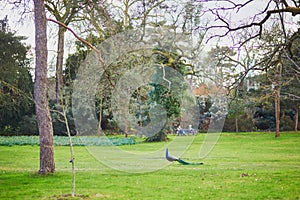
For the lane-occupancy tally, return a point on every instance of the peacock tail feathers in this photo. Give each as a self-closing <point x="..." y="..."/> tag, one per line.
<point x="173" y="158"/>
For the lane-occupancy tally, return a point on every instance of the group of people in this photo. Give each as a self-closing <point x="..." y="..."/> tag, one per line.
<point x="181" y="131"/>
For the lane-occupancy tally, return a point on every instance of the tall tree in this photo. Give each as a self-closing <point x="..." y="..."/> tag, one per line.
<point x="16" y="85"/>
<point x="44" y="120"/>
<point x="276" y="86"/>
<point x="280" y="67"/>
<point x="108" y="19"/>
<point x="236" y="110"/>
<point x="247" y="22"/>
<point x="63" y="11"/>
<point x="280" y="14"/>
<point x="272" y="47"/>
<point x="292" y="62"/>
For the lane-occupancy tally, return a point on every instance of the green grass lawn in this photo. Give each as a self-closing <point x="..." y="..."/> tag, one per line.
<point x="272" y="167"/>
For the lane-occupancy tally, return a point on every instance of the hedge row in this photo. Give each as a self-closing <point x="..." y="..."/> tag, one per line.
<point x="64" y="141"/>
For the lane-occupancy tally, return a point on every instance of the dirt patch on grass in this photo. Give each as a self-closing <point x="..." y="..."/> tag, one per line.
<point x="79" y="196"/>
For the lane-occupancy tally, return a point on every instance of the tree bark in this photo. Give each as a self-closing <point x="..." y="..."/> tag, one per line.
<point x="44" y="121"/>
<point x="100" y="116"/>
<point x="236" y="125"/>
<point x="158" y="137"/>
<point x="297" y="116"/>
<point x="59" y="63"/>
<point x="277" y="112"/>
<point x="277" y="90"/>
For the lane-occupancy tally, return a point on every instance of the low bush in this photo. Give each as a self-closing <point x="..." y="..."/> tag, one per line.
<point x="64" y="141"/>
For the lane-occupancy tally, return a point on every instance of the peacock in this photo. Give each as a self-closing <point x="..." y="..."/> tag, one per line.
<point x="173" y="158"/>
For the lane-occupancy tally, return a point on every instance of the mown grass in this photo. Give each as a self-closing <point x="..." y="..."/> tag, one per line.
<point x="241" y="166"/>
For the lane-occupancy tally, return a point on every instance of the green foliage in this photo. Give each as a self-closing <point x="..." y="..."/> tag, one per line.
<point x="58" y="121"/>
<point x="245" y="123"/>
<point x="74" y="60"/>
<point x="161" y="95"/>
<point x="220" y="64"/>
<point x="167" y="56"/>
<point x="236" y="107"/>
<point x="156" y="93"/>
<point x="16" y="85"/>
<point x="140" y="105"/>
<point x="287" y="122"/>
<point x="28" y="125"/>
<point x="72" y="65"/>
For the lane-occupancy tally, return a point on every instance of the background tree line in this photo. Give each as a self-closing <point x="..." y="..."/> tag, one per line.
<point x="252" y="107"/>
<point x="266" y="44"/>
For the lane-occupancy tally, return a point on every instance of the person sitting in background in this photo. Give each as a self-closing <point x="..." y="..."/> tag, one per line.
<point x="191" y="130"/>
<point x="180" y="131"/>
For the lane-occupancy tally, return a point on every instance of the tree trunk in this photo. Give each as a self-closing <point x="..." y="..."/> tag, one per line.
<point x="236" y="125"/>
<point x="126" y="128"/>
<point x="100" y="116"/>
<point x="277" y="112"/>
<point x="40" y="90"/>
<point x="59" y="63"/>
<point x="158" y="137"/>
<point x="297" y="116"/>
<point x="277" y="90"/>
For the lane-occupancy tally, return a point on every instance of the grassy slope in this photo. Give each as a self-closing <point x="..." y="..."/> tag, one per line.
<point x="273" y="166"/>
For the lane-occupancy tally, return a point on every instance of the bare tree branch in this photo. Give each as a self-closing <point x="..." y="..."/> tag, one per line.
<point x="80" y="39"/>
<point x="224" y="8"/>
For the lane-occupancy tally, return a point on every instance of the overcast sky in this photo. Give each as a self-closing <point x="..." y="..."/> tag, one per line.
<point x="27" y="27"/>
